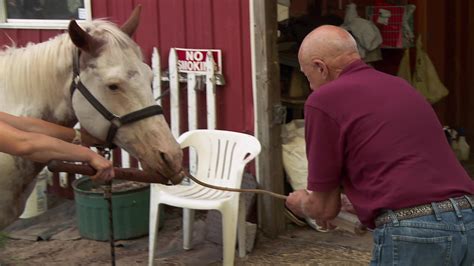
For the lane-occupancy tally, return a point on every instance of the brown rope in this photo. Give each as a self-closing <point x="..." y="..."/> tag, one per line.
<point x="107" y="187"/>
<point x="108" y="197"/>
<point x="251" y="190"/>
<point x="357" y="229"/>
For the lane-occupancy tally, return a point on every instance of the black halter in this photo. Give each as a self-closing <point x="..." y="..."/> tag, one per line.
<point x="115" y="121"/>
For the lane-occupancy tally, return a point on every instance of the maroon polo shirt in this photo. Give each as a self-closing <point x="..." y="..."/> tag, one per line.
<point x="377" y="136"/>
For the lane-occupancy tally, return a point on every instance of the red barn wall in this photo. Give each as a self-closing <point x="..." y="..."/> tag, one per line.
<point x="216" y="24"/>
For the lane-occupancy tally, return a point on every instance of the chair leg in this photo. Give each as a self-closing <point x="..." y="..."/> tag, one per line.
<point x="188" y="221"/>
<point x="229" y="232"/>
<point x="241" y="229"/>
<point x="153" y="230"/>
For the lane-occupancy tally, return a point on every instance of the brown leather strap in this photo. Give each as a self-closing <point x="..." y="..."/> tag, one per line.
<point x="426" y="209"/>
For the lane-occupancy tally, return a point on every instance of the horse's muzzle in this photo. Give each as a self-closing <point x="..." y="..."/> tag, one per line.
<point x="178" y="177"/>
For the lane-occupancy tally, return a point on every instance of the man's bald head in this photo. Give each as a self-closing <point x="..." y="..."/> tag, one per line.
<point x="325" y="52"/>
<point x="329" y="43"/>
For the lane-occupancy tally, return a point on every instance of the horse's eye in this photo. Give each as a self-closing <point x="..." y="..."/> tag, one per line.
<point x="113" y="87"/>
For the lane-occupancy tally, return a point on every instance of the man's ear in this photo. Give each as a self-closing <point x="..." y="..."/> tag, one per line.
<point x="322" y="68"/>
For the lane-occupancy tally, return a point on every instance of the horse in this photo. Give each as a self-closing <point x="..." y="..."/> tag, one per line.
<point x="39" y="80"/>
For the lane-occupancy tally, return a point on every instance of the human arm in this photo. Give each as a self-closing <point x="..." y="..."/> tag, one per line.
<point x="42" y="148"/>
<point x="320" y="206"/>
<point x="324" y="149"/>
<point x="35" y="125"/>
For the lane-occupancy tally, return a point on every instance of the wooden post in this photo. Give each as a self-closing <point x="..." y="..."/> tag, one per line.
<point x="156" y="68"/>
<point x="421" y="19"/>
<point x="211" y="92"/>
<point x="469" y="114"/>
<point x="266" y="92"/>
<point x="192" y="119"/>
<point x="174" y="93"/>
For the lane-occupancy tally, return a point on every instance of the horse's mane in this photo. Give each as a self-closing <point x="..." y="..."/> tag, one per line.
<point x="40" y="73"/>
<point x="116" y="40"/>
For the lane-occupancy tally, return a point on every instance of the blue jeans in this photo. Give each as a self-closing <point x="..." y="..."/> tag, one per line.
<point x="440" y="239"/>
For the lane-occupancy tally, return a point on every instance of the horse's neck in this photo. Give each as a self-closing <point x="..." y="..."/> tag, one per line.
<point x="34" y="81"/>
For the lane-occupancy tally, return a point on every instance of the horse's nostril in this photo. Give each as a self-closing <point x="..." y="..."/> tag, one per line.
<point x="163" y="157"/>
<point x="165" y="161"/>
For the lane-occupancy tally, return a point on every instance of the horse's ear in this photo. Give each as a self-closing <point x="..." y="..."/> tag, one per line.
<point x="131" y="24"/>
<point x="82" y="39"/>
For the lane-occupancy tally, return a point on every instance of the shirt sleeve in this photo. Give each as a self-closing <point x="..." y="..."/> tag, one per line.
<point x="324" y="150"/>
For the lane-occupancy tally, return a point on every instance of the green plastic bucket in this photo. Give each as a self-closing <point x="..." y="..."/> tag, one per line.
<point x="130" y="207"/>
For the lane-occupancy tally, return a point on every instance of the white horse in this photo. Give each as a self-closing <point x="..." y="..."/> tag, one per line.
<point x="35" y="81"/>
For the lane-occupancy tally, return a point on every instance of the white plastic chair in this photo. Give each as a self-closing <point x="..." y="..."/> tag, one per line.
<point x="222" y="156"/>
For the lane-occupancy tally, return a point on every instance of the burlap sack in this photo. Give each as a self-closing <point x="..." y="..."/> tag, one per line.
<point x="425" y="79"/>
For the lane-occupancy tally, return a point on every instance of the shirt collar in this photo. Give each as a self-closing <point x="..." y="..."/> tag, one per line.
<point x="354" y="66"/>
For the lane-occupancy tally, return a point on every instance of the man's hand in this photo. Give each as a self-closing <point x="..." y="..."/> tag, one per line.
<point x="320" y="206"/>
<point x="104" y="168"/>
<point x="346" y="204"/>
<point x="295" y="201"/>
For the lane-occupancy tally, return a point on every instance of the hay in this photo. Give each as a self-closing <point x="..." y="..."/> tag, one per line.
<point x="3" y="239"/>
<point x="306" y="247"/>
<point x="308" y="254"/>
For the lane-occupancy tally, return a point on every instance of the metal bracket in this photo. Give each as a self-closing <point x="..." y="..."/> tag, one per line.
<point x="200" y="83"/>
<point x="279" y="114"/>
<point x="182" y="77"/>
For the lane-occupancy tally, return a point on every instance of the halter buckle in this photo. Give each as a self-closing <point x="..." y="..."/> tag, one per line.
<point x="116" y="122"/>
<point x="76" y="80"/>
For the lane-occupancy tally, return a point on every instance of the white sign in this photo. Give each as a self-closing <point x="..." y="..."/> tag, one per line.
<point x="194" y="60"/>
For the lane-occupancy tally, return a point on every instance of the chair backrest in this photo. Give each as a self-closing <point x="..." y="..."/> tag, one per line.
<point x="221" y="155"/>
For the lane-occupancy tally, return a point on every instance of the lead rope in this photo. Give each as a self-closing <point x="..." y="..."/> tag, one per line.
<point x="286" y="212"/>
<point x="107" y="187"/>
<point x="251" y="190"/>
<point x="108" y="196"/>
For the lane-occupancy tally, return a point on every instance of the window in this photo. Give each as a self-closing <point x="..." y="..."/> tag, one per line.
<point x="42" y="14"/>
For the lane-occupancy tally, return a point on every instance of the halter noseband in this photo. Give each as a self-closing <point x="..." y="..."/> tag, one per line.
<point x="115" y="121"/>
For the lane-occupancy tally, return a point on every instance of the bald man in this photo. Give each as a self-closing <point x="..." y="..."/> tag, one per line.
<point x="377" y="138"/>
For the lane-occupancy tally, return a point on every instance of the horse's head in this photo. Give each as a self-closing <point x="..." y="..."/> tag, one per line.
<point x="111" y="68"/>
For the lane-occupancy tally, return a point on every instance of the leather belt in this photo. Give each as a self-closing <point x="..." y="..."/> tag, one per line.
<point x="427" y="209"/>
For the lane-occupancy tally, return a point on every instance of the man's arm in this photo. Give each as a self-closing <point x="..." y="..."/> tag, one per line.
<point x="42" y="148"/>
<point x="320" y="206"/>
<point x="325" y="153"/>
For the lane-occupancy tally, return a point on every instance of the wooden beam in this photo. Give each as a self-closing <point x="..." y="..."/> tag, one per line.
<point x="266" y="80"/>
<point x="435" y="45"/>
<point x="421" y="17"/>
<point x="469" y="108"/>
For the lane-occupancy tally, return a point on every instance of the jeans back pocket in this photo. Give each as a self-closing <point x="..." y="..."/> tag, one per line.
<point x="410" y="250"/>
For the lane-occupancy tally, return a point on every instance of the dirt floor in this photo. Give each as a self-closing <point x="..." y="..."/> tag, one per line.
<point x="297" y="246"/>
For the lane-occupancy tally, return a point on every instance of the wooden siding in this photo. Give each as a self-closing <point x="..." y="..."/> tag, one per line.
<point x="217" y="24"/>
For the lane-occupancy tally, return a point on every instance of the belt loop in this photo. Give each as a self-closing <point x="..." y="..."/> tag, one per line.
<point x="468" y="198"/>
<point x="456" y="208"/>
<point x="393" y="218"/>
<point x="436" y="211"/>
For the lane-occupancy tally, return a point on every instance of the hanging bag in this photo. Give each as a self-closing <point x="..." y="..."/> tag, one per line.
<point x="425" y="78"/>
<point x="404" y="70"/>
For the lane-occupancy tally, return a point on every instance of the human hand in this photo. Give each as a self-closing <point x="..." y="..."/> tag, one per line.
<point x="324" y="226"/>
<point x="104" y="168"/>
<point x="346" y="204"/>
<point x="295" y="200"/>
